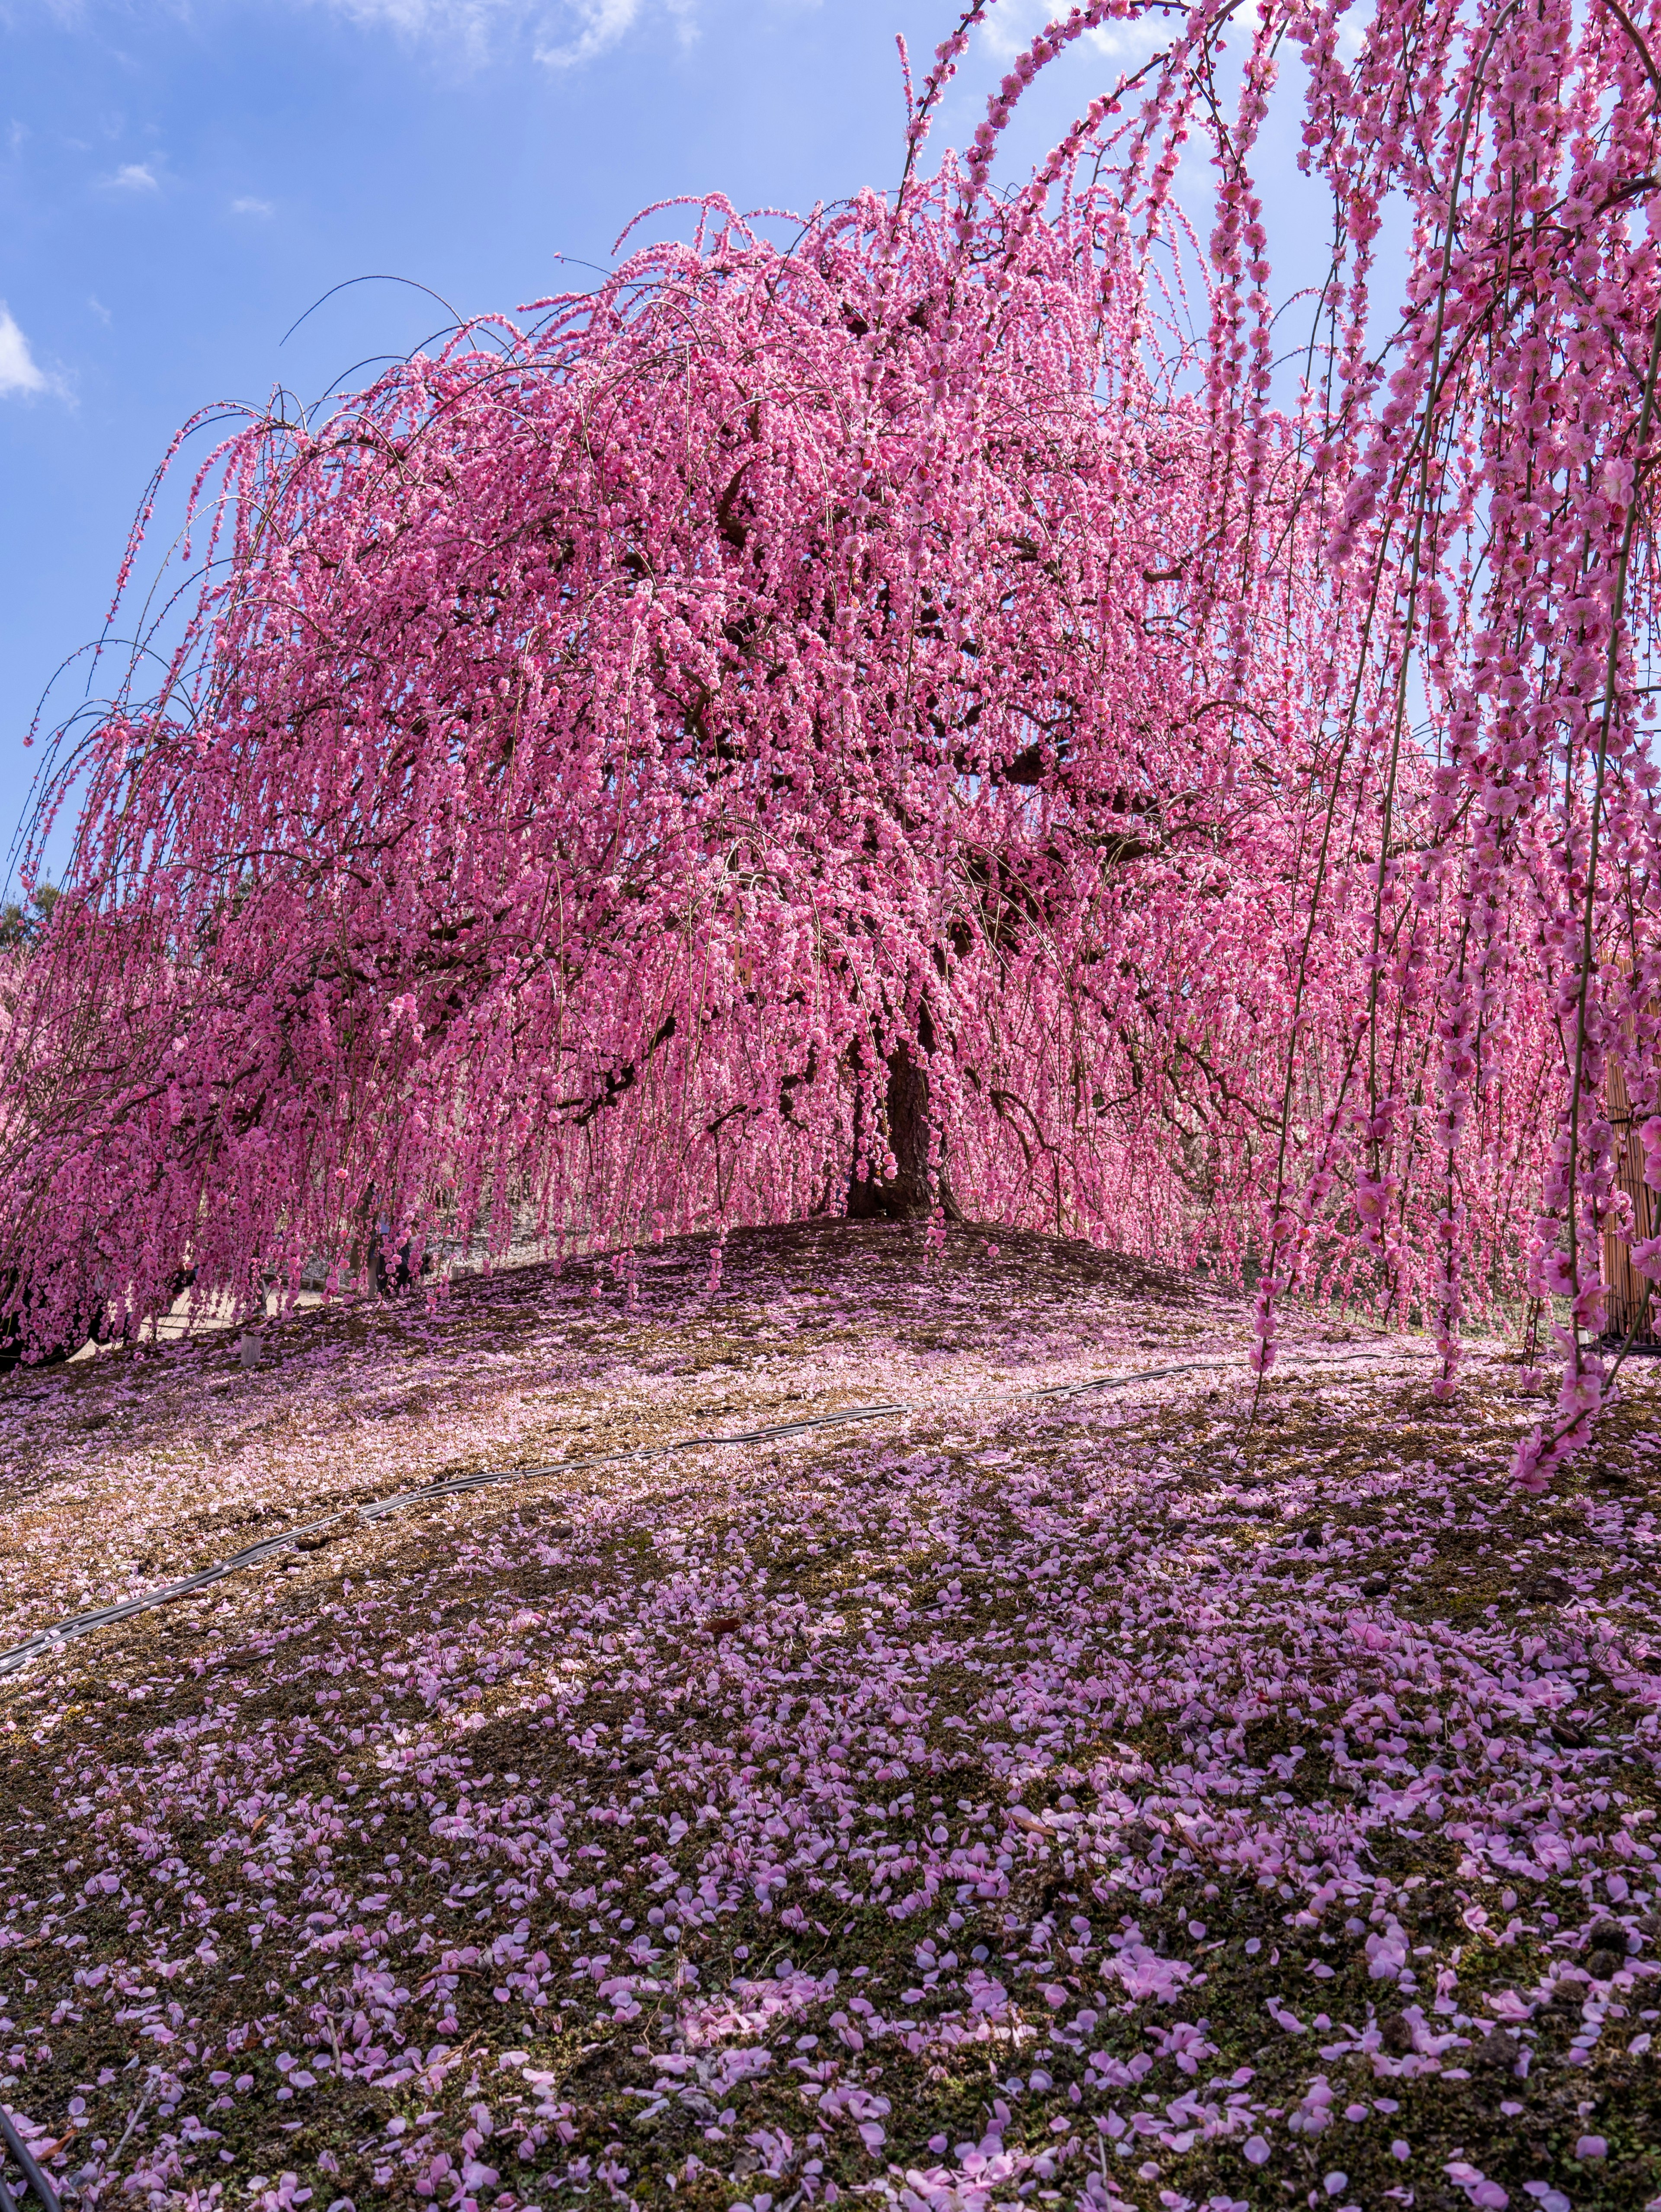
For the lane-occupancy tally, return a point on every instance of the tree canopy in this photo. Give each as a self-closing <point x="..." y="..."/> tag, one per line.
<point x="942" y="710"/>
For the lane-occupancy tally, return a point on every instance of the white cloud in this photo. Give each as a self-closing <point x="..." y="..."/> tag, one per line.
<point x="252" y="207"/>
<point x="98" y="307"/>
<point x="134" y="177"/>
<point x="1133" y="42"/>
<point x="598" y="24"/>
<point x="19" y="370"/>
<point x="1009" y="30"/>
<point x="471" y="23"/>
<point x="567" y="33"/>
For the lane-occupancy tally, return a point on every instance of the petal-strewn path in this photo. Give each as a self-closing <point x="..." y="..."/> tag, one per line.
<point x="1083" y="1799"/>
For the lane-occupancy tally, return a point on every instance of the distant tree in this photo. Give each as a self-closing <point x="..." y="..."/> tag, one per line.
<point x="21" y="922"/>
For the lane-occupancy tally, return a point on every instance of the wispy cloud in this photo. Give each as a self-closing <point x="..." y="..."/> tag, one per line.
<point x="597" y="24"/>
<point x="470" y="19"/>
<point x="476" y="25"/>
<point x="134" y="177"/>
<point x="1012" y="27"/>
<point x="1008" y="29"/>
<point x="252" y="207"/>
<point x="19" y="370"/>
<point x="565" y="33"/>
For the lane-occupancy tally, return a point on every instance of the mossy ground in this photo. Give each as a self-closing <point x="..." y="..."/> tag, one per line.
<point x="616" y="1644"/>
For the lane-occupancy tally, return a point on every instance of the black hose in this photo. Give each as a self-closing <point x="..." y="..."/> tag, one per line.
<point x="32" y="2174"/>
<point x="640" y="1454"/>
<point x="81" y="1624"/>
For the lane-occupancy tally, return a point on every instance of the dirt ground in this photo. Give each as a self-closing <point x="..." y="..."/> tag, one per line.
<point x="1059" y="1785"/>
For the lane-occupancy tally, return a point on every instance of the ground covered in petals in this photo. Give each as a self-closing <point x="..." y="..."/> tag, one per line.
<point x="1060" y="1789"/>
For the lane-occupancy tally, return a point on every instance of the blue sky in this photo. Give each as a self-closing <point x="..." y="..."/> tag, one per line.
<point x="179" y="179"/>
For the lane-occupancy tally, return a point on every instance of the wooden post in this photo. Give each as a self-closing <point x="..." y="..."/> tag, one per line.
<point x="1629" y="1311"/>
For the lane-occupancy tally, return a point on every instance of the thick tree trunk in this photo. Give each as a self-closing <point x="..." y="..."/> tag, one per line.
<point x="1629" y="1308"/>
<point x="905" y="1195"/>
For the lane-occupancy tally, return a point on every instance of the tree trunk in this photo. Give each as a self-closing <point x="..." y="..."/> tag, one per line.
<point x="1628" y="1309"/>
<point x="904" y="1196"/>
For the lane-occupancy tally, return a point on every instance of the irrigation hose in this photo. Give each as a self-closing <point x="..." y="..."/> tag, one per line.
<point x="46" y="1640"/>
<point x="32" y="2177"/>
